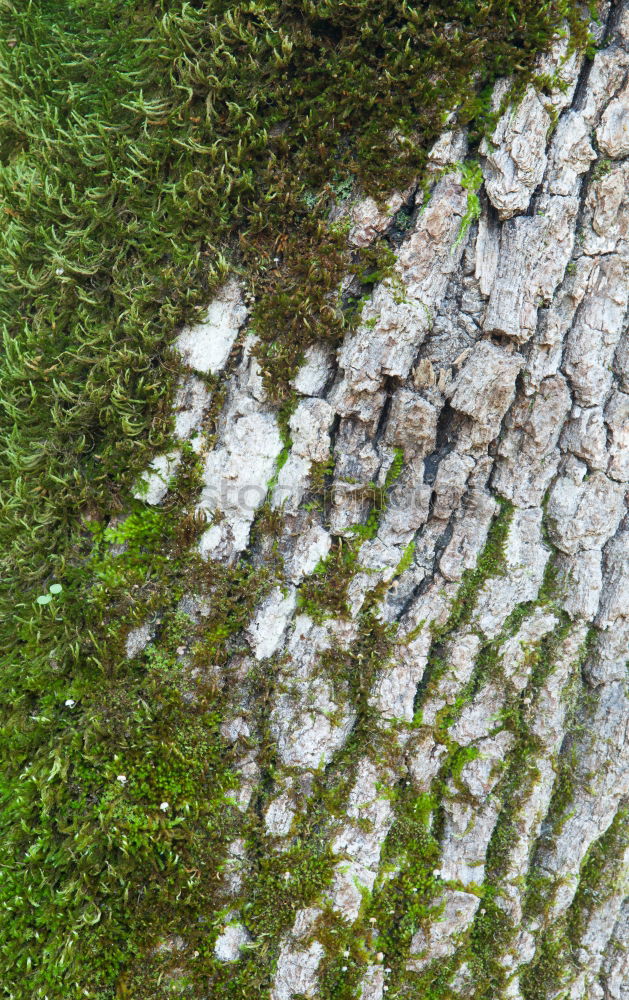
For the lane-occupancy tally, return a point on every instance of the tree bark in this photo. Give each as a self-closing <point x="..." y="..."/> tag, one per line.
<point x="475" y="427"/>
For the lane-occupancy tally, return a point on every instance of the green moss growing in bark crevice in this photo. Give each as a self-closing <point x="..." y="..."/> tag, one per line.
<point x="491" y="562"/>
<point x="324" y="593"/>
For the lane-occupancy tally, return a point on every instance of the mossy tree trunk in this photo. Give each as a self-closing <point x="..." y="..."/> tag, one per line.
<point x="362" y="732"/>
<point x="426" y="710"/>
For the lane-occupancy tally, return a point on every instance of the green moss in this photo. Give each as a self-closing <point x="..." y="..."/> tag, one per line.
<point x="521" y="764"/>
<point x="324" y="593"/>
<point x="407" y="559"/>
<point x="407" y="901"/>
<point x="321" y="475"/>
<point x="489" y="938"/>
<point x="378" y="497"/>
<point x="78" y="839"/>
<point x="96" y="833"/>
<point x="549" y="972"/>
<point x="471" y="181"/>
<point x="490" y="563"/>
<point x="283" y="421"/>
<point x="601" y="875"/>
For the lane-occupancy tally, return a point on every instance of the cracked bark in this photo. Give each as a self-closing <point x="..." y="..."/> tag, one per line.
<point x="498" y="364"/>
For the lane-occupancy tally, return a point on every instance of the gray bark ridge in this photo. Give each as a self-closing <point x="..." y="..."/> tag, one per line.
<point x="497" y="363"/>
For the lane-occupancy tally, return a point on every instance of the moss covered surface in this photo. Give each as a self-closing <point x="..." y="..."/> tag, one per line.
<point x="146" y="149"/>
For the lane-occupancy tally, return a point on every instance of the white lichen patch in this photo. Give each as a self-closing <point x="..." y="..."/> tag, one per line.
<point x="206" y="346"/>
<point x="155" y="482"/>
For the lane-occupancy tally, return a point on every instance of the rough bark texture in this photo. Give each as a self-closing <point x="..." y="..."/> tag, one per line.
<point x="489" y="591"/>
